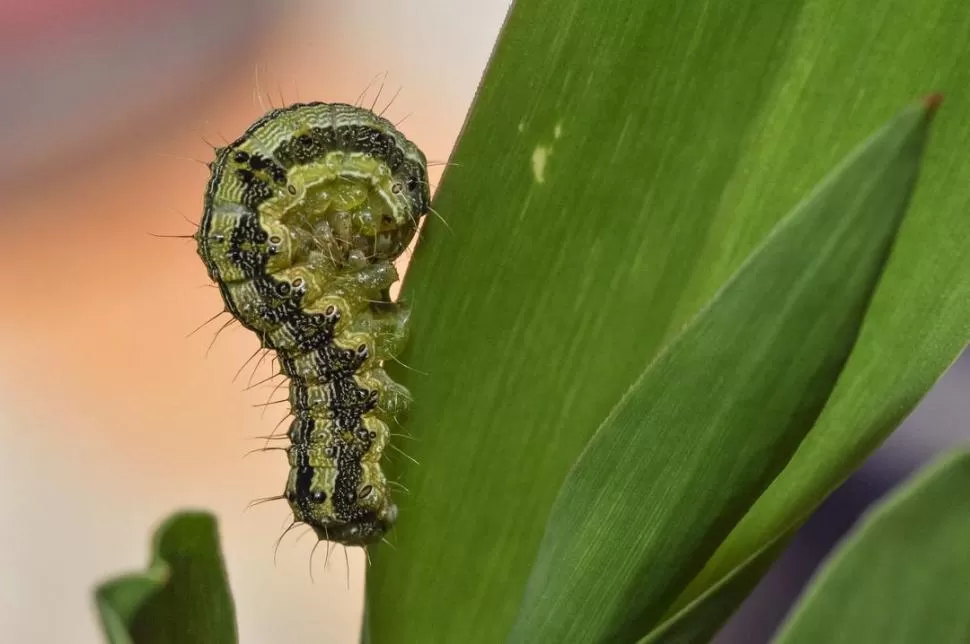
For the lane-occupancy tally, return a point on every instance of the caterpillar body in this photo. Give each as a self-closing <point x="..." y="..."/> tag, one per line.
<point x="303" y="217"/>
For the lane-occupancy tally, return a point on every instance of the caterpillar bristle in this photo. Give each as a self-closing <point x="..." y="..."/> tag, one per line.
<point x="404" y="454"/>
<point x="269" y="398"/>
<point x="164" y="236"/>
<point x="265" y="499"/>
<point x="248" y="360"/>
<point x="312" y="551"/>
<point x="215" y="337"/>
<point x="209" y="321"/>
<point x="276" y="548"/>
<point x="270" y="437"/>
<point x="270" y="403"/>
<point x="259" y="450"/>
<point x="266" y="352"/>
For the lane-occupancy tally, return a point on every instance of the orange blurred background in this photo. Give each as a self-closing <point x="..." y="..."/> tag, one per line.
<point x="110" y="416"/>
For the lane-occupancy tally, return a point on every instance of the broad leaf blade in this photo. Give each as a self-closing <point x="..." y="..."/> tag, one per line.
<point x="183" y="597"/>
<point x="685" y="131"/>
<point x="541" y="301"/>
<point x="903" y="575"/>
<point x="845" y="61"/>
<point x="718" y="414"/>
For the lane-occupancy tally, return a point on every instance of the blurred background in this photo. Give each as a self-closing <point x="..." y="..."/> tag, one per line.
<point x="110" y="416"/>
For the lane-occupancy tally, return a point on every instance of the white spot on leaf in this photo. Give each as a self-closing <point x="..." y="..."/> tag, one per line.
<point x="539" y="157"/>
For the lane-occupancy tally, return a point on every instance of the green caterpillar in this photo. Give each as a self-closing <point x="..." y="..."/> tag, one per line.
<point x="304" y="216"/>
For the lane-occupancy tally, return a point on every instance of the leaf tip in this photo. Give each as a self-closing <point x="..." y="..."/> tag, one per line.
<point x="932" y="103"/>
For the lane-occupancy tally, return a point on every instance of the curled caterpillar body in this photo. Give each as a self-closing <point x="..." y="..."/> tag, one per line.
<point x="304" y="215"/>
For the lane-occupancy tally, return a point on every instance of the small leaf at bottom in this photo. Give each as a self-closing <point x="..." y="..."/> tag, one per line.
<point x="182" y="598"/>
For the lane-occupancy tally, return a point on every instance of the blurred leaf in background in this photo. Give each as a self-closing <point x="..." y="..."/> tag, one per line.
<point x="902" y="576"/>
<point x="618" y="164"/>
<point x="182" y="597"/>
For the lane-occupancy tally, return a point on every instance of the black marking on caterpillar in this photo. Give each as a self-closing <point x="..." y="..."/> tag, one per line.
<point x="304" y="215"/>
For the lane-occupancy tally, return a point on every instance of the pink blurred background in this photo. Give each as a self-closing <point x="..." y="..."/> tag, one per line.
<point x="110" y="417"/>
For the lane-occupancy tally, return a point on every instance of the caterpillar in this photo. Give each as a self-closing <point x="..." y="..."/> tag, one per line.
<point x="303" y="217"/>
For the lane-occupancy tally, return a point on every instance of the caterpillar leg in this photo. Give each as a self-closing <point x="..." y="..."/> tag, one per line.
<point x="389" y="328"/>
<point x="393" y="399"/>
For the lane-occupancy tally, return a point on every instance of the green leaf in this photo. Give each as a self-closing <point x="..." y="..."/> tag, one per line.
<point x="685" y="131"/>
<point x="183" y="597"/>
<point x="701" y="619"/>
<point x="903" y="575"/>
<point x="541" y="301"/>
<point x="718" y="414"/>
<point x="844" y="62"/>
